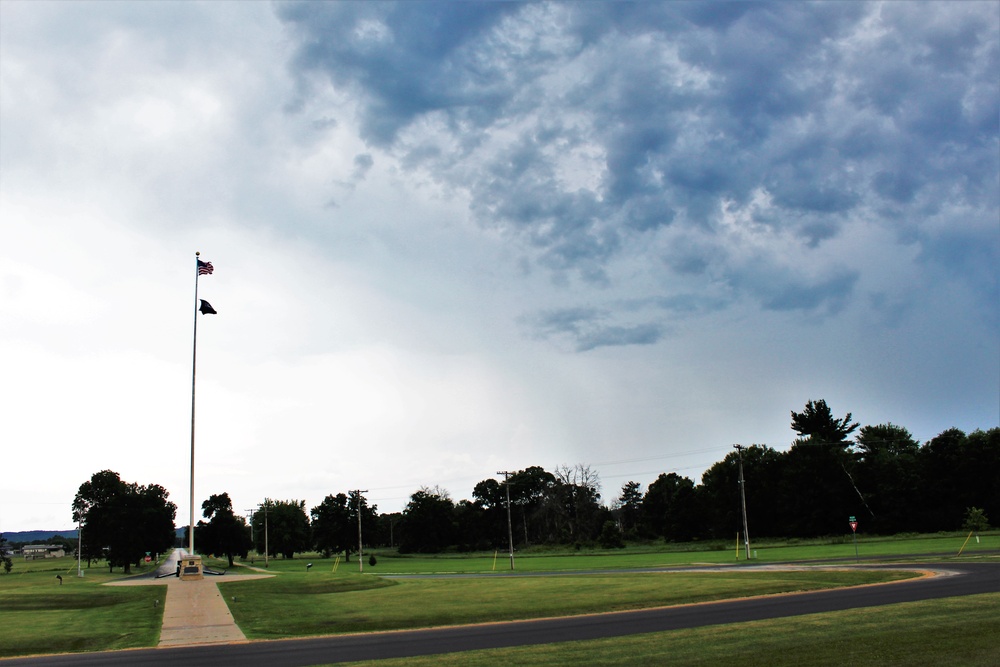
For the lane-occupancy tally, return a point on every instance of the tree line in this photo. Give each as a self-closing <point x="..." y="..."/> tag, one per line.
<point x="834" y="469"/>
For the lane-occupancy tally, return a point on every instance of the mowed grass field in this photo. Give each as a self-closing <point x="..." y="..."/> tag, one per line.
<point x="341" y="600"/>
<point x="37" y="615"/>
<point x="317" y="603"/>
<point x="651" y="556"/>
<point x="956" y="631"/>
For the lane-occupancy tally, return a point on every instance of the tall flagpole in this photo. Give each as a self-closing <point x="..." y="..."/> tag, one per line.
<point x="194" y="363"/>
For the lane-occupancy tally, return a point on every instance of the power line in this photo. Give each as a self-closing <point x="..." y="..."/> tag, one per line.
<point x="659" y="458"/>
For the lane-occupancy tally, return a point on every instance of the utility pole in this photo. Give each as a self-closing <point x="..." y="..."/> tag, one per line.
<point x="79" y="547"/>
<point x="266" y="503"/>
<point x="510" y="532"/>
<point x="743" y="500"/>
<point x="250" y="519"/>
<point x="361" y="562"/>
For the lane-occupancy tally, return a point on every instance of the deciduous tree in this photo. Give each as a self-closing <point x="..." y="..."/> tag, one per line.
<point x="577" y="497"/>
<point x="428" y="522"/>
<point x="331" y="525"/>
<point x="976" y="520"/>
<point x="8" y="564"/>
<point x="287" y="527"/>
<point x="668" y="508"/>
<point x="225" y="533"/>
<point x="126" y="519"/>
<point x="887" y="477"/>
<point x="529" y="489"/>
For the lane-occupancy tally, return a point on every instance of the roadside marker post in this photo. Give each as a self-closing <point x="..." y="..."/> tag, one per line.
<point x="854" y="534"/>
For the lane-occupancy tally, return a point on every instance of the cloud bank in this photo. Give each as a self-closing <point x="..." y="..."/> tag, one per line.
<point x="749" y="149"/>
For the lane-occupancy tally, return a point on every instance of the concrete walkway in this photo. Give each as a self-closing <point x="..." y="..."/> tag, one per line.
<point x="195" y="613"/>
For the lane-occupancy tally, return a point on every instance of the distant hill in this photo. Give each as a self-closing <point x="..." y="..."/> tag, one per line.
<point x="43" y="536"/>
<point x="38" y="536"/>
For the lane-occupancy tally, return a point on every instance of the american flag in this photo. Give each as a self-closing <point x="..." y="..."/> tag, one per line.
<point x="204" y="268"/>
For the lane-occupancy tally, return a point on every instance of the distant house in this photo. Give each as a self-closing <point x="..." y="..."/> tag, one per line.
<point x="36" y="551"/>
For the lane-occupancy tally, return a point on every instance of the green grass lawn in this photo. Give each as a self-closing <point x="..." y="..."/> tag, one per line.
<point x="654" y="555"/>
<point x="316" y="603"/>
<point x="38" y="615"/>
<point x="899" y="547"/>
<point x="956" y="631"/>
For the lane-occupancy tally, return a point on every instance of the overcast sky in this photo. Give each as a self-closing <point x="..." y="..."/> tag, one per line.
<point x="451" y="239"/>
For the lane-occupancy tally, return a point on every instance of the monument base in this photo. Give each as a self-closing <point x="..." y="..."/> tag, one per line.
<point x="190" y="568"/>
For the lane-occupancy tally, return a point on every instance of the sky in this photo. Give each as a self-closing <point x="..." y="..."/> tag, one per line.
<point x="453" y="239"/>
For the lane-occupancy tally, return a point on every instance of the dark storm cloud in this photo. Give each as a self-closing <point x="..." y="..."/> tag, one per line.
<point x="831" y="292"/>
<point x="587" y="328"/>
<point x="405" y="57"/>
<point x="362" y="164"/>
<point x="580" y="129"/>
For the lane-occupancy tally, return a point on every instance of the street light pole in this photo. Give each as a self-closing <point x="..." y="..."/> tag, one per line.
<point x="743" y="500"/>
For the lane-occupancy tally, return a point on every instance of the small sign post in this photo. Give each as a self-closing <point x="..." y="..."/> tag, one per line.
<point x="854" y="533"/>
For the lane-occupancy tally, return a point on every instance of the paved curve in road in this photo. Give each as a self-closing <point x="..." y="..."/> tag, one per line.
<point x="951" y="580"/>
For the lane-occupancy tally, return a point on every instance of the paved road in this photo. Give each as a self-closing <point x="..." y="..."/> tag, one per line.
<point x="952" y="580"/>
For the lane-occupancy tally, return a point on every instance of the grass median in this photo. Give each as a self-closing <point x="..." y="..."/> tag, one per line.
<point x="956" y="631"/>
<point x="314" y="603"/>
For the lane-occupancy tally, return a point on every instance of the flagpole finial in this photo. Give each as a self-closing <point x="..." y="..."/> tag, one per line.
<point x="197" y="253"/>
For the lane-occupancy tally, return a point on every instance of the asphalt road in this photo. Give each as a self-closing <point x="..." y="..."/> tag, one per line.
<point x="952" y="580"/>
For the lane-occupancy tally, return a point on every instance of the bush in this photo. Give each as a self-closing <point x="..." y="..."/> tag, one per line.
<point x="611" y="537"/>
<point x="975" y="520"/>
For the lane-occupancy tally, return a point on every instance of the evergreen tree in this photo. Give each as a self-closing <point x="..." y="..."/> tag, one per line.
<point x="817" y="423"/>
<point x="628" y="506"/>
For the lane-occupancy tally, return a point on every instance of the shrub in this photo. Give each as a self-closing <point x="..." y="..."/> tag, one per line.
<point x="611" y="537"/>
